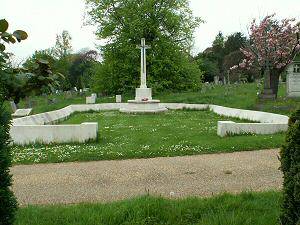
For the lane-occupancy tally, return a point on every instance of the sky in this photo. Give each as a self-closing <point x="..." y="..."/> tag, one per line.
<point x="43" y="19"/>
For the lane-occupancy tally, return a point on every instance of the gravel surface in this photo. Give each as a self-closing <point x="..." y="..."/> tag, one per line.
<point x="176" y="177"/>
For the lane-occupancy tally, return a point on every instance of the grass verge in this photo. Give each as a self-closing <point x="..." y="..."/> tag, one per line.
<point x="246" y="208"/>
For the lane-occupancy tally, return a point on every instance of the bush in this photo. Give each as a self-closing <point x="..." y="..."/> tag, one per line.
<point x="290" y="166"/>
<point x="8" y="203"/>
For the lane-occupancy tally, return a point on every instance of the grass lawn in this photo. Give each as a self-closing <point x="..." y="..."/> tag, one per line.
<point x="245" y="208"/>
<point x="123" y="136"/>
<point x="242" y="96"/>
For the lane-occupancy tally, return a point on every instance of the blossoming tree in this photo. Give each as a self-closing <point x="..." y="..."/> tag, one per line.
<point x="272" y="47"/>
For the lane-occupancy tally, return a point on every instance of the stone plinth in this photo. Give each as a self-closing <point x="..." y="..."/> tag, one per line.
<point x="118" y="98"/>
<point x="143" y="94"/>
<point x="267" y="94"/>
<point x="150" y="106"/>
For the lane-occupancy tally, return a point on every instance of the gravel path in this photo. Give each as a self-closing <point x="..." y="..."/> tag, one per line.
<point x="104" y="181"/>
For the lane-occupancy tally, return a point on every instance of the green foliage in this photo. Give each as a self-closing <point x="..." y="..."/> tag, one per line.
<point x="225" y="53"/>
<point x="81" y="69"/>
<point x="47" y="54"/>
<point x="209" y="67"/>
<point x="167" y="26"/>
<point x="8" y="203"/>
<point x="290" y="166"/>
<point x="18" y="83"/>
<point x="227" y="209"/>
<point x="234" y="42"/>
<point x="63" y="45"/>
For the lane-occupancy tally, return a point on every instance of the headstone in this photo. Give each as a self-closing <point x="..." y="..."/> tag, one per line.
<point x="293" y="79"/>
<point x="13" y="106"/>
<point x="118" y="98"/>
<point x="216" y="79"/>
<point x="75" y="89"/>
<point x="91" y="99"/>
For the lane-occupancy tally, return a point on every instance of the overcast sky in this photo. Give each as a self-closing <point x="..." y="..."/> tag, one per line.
<point x="43" y="19"/>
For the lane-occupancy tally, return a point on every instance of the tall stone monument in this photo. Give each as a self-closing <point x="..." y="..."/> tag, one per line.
<point x="293" y="78"/>
<point x="143" y="102"/>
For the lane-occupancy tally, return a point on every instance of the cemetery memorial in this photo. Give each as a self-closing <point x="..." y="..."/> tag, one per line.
<point x="293" y="78"/>
<point x="143" y="102"/>
<point x="43" y="128"/>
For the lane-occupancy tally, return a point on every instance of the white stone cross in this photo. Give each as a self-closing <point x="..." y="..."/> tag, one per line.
<point x="143" y="48"/>
<point x="296" y="68"/>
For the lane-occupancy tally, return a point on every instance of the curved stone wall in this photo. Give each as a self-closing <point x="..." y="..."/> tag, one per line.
<point x="38" y="129"/>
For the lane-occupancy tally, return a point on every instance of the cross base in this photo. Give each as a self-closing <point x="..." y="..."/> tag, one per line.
<point x="143" y="94"/>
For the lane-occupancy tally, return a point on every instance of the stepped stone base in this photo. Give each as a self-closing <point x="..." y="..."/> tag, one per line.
<point x="150" y="106"/>
<point x="267" y="94"/>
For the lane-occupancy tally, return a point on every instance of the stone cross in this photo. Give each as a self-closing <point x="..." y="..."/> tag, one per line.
<point x="296" y="68"/>
<point x="143" y="48"/>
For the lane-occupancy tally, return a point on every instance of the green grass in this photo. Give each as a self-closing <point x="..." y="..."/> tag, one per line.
<point x="236" y="95"/>
<point x="124" y="136"/>
<point x="226" y="209"/>
<point x="242" y="96"/>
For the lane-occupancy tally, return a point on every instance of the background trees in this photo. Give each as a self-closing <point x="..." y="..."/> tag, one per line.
<point x="167" y="26"/>
<point x="272" y="46"/>
<point x="224" y="53"/>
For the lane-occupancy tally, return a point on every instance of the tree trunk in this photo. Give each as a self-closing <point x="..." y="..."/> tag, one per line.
<point x="274" y="81"/>
<point x="268" y="92"/>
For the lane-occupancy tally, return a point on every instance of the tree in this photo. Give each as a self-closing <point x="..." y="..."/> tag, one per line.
<point x="8" y="204"/>
<point x="167" y="26"/>
<point x="63" y="46"/>
<point x="234" y="42"/>
<point x="273" y="45"/>
<point x="80" y="73"/>
<point x="209" y="67"/>
<point x="290" y="166"/>
<point x="47" y="54"/>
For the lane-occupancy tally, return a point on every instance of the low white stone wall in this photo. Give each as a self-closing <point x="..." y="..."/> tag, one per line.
<point x="46" y="134"/>
<point x="269" y="123"/>
<point x="262" y="117"/>
<point x="37" y="128"/>
<point x="230" y="128"/>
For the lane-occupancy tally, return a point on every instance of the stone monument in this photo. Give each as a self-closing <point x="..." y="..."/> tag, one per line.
<point x="293" y="78"/>
<point x="143" y="102"/>
<point x="91" y="99"/>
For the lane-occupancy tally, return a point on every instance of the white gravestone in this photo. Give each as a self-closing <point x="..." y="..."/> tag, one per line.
<point x="293" y="79"/>
<point x="91" y="99"/>
<point x="118" y="98"/>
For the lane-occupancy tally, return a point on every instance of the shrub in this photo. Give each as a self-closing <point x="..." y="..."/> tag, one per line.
<point x="8" y="203"/>
<point x="290" y="166"/>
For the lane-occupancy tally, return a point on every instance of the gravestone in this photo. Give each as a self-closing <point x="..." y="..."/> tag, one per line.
<point x="216" y="79"/>
<point x="13" y="106"/>
<point x="118" y="98"/>
<point x="293" y="78"/>
<point x="91" y="99"/>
